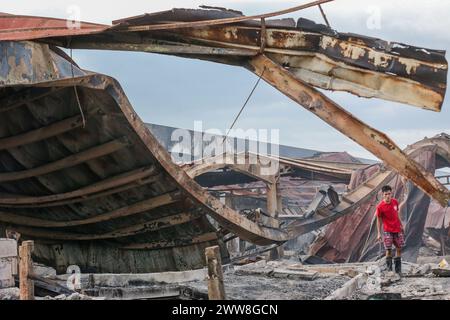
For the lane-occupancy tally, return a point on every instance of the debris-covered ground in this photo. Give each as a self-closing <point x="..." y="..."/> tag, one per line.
<point x="269" y="281"/>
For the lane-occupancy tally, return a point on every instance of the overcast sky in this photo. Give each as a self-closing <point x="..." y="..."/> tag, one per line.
<point x="176" y="92"/>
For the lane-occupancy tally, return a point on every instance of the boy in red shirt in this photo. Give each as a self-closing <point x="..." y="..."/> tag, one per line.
<point x="388" y="214"/>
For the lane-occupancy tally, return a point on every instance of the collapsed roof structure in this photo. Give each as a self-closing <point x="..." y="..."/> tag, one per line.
<point x="72" y="179"/>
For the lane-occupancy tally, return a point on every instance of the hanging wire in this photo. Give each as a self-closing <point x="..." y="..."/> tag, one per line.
<point x="324" y="16"/>
<point x="243" y="107"/>
<point x="76" y="92"/>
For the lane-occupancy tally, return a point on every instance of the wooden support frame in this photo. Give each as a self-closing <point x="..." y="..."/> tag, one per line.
<point x="40" y="134"/>
<point x="136" y="184"/>
<point x="70" y="161"/>
<point x="164" y="244"/>
<point x="110" y="183"/>
<point x="146" y="227"/>
<point x="136" y="208"/>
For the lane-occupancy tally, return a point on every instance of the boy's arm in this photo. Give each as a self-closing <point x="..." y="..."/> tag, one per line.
<point x="400" y="211"/>
<point x="378" y="225"/>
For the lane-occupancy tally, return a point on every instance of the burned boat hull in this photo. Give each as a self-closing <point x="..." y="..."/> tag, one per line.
<point x="83" y="176"/>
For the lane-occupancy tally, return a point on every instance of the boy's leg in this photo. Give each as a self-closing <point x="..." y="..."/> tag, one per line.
<point x="388" y="246"/>
<point x="398" y="241"/>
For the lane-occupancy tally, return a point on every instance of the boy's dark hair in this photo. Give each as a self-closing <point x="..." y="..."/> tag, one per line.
<point x="386" y="189"/>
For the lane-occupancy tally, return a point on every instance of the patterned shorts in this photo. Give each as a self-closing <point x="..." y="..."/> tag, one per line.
<point x="398" y="239"/>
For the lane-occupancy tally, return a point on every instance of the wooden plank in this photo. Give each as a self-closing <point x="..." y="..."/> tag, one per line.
<point x="50" y="285"/>
<point x="149" y="226"/>
<point x="345" y="199"/>
<point x="369" y="185"/>
<point x="25" y="270"/>
<point x="109" y="183"/>
<point x="136" y="184"/>
<point x="139" y="207"/>
<point x="216" y="288"/>
<point x="40" y="134"/>
<point x="207" y="237"/>
<point x="70" y="161"/>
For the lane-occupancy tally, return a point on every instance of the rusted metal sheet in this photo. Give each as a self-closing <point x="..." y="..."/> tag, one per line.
<point x="316" y="54"/>
<point x="16" y="27"/>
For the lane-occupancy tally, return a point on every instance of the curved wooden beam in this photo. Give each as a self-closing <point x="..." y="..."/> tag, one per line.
<point x="136" y="184"/>
<point x="40" y="134"/>
<point x="172" y="243"/>
<point x="110" y="183"/>
<point x="246" y="163"/>
<point x="136" y="208"/>
<point x="70" y="161"/>
<point x="149" y="226"/>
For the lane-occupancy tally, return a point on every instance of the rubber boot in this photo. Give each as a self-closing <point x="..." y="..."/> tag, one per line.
<point x="389" y="263"/>
<point x="398" y="265"/>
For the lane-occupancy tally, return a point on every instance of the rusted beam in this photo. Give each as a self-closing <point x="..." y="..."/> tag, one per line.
<point x="26" y="270"/>
<point x="149" y="226"/>
<point x="70" y="161"/>
<point x="216" y="288"/>
<point x="110" y="183"/>
<point x="164" y="244"/>
<point x="173" y="49"/>
<point x="373" y="140"/>
<point x="344" y="63"/>
<point x="136" y="208"/>
<point x="40" y="134"/>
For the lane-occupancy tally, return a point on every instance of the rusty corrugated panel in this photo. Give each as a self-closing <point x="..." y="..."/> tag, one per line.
<point x="437" y="218"/>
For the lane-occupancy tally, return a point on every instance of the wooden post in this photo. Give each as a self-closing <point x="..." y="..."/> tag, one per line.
<point x="443" y="242"/>
<point x="279" y="200"/>
<point x="216" y="289"/>
<point x="272" y="210"/>
<point x="26" y="271"/>
<point x="272" y="201"/>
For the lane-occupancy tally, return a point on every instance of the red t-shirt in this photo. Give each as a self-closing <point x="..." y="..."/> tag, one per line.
<point x="388" y="212"/>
